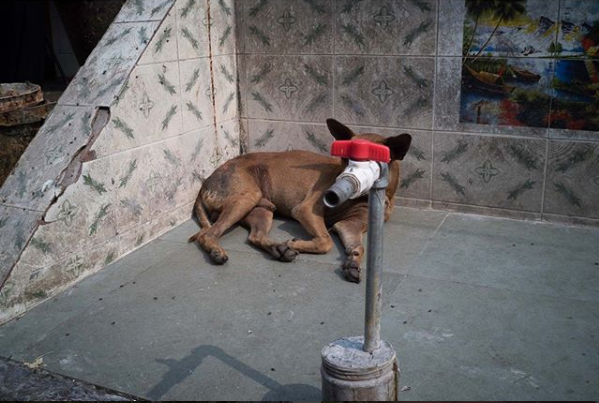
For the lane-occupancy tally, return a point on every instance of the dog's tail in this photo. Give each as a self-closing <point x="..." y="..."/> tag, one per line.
<point x="201" y="216"/>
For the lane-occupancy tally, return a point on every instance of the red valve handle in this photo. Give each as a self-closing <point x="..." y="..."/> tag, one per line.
<point x="361" y="150"/>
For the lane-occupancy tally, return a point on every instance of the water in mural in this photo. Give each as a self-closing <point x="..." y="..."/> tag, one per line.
<point x="525" y="66"/>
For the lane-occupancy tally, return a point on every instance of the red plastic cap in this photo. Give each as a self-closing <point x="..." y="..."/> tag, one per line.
<point x="361" y="150"/>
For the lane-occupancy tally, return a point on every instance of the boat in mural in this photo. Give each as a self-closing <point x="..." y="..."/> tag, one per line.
<point x="486" y="82"/>
<point x="524" y="74"/>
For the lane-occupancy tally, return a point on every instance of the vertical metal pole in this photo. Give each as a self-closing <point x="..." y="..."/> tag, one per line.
<point x="374" y="285"/>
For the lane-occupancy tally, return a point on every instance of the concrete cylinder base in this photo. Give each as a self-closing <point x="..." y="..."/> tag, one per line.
<point x="351" y="374"/>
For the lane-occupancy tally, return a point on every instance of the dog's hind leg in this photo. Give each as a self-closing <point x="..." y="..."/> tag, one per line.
<point x="234" y="209"/>
<point x="259" y="222"/>
<point x="351" y="232"/>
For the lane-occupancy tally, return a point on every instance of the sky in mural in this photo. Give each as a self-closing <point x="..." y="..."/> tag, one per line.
<point x="524" y="66"/>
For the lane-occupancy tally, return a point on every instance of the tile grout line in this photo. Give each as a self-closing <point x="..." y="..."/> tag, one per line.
<point x="434" y="111"/>
<point x="434" y="233"/>
<point x="467" y="133"/>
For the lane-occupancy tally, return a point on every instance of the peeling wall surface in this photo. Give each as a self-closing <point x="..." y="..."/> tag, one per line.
<point x="122" y="157"/>
<point x="175" y="88"/>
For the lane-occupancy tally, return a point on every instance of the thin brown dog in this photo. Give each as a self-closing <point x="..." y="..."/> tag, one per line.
<point x="250" y="188"/>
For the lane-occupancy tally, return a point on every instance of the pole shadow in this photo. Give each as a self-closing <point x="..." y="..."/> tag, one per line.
<point x="179" y="370"/>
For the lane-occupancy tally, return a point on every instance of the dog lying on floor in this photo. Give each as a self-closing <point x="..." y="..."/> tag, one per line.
<point x="250" y="188"/>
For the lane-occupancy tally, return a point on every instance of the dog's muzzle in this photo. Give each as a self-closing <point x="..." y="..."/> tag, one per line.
<point x="355" y="181"/>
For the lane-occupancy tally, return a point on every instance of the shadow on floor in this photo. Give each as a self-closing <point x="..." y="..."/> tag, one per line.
<point x="179" y="370"/>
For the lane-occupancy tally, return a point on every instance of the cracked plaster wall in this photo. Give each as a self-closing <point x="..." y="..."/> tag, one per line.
<point x="120" y="161"/>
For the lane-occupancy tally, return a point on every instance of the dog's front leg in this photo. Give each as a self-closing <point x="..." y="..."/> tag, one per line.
<point x="311" y="217"/>
<point x="351" y="232"/>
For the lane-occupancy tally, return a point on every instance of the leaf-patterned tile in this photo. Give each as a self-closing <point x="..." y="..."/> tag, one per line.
<point x="222" y="27"/>
<point x="83" y="216"/>
<point x="192" y="28"/>
<point x="385" y="27"/>
<point x="196" y="102"/>
<point x="148" y="110"/>
<point x="35" y="180"/>
<point x="285" y="136"/>
<point x="290" y="87"/>
<point x="572" y="187"/>
<point x="144" y="10"/>
<point x="162" y="46"/>
<point x="224" y="70"/>
<point x="107" y="68"/>
<point x="16" y="228"/>
<point x="288" y="26"/>
<point x="385" y="91"/>
<point x="228" y="139"/>
<point x="489" y="171"/>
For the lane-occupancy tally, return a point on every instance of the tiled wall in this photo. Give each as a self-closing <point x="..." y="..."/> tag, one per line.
<point x="121" y="159"/>
<point x="393" y="66"/>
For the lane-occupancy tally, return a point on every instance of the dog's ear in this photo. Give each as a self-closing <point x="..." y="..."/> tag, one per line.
<point x="339" y="130"/>
<point x="399" y="145"/>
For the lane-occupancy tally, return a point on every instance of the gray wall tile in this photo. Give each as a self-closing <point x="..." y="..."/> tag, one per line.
<point x="290" y="87"/>
<point x="288" y="26"/>
<point x="384" y="27"/>
<point x="572" y="179"/>
<point x="385" y="91"/>
<point x="489" y="171"/>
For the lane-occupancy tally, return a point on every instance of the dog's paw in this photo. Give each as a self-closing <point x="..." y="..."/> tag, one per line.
<point x="284" y="253"/>
<point x="219" y="257"/>
<point x="352" y="271"/>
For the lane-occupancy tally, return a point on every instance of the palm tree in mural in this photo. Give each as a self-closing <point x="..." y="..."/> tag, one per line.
<point x="477" y="9"/>
<point x="503" y="11"/>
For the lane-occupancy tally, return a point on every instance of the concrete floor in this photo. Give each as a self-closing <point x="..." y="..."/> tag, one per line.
<point x="477" y="308"/>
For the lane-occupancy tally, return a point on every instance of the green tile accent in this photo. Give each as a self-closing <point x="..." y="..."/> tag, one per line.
<point x="453" y="183"/>
<point x="413" y="177"/>
<point x="93" y="229"/>
<point x="257" y="8"/>
<point x="514" y="194"/>
<point x="455" y="152"/>
<point x="189" y="36"/>
<point x="123" y="127"/>
<point x="95" y="185"/>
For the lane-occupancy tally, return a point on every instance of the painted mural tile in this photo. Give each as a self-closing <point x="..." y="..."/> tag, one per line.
<point x="16" y="228"/>
<point x="196" y="108"/>
<point x="192" y="29"/>
<point x="106" y="70"/>
<point x="524" y="28"/>
<point x="385" y="91"/>
<point x="163" y="44"/>
<point x="222" y="28"/>
<point x="288" y="26"/>
<point x="417" y="166"/>
<point x="290" y="87"/>
<point x="578" y="35"/>
<point x="448" y="94"/>
<point x="575" y="102"/>
<point x="149" y="110"/>
<point x="572" y="187"/>
<point x="499" y="172"/>
<point x="284" y="136"/>
<point x="509" y="92"/>
<point x="12" y="298"/>
<point x="144" y="10"/>
<point x="34" y="182"/>
<point x="224" y="69"/>
<point x="384" y="27"/>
